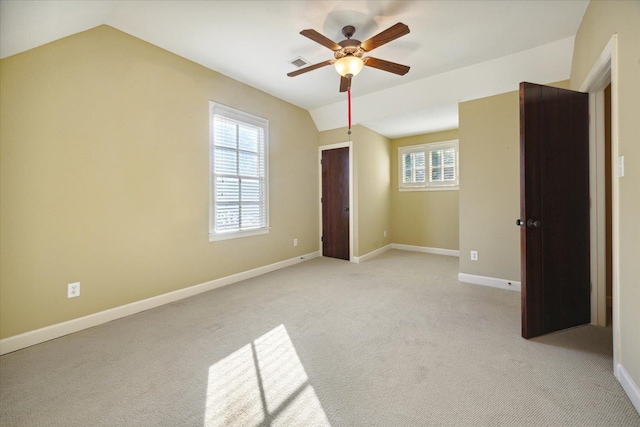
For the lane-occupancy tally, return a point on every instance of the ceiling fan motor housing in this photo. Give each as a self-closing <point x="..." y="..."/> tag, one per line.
<point x="349" y="47"/>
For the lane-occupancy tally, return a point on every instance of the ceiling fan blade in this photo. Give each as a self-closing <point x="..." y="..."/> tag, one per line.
<point x="385" y="37"/>
<point x="311" y="68"/>
<point x="383" y="65"/>
<point x="345" y="84"/>
<point x="319" y="38"/>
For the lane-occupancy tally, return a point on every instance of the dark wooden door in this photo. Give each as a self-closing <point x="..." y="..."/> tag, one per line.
<point x="335" y="203"/>
<point x="554" y="208"/>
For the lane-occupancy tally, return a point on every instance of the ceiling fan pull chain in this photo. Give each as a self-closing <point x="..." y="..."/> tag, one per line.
<point x="349" y="108"/>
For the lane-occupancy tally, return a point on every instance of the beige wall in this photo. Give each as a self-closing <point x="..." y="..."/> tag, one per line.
<point x="600" y="22"/>
<point x="104" y="178"/>
<point x="490" y="185"/>
<point x="371" y="182"/>
<point x="423" y="218"/>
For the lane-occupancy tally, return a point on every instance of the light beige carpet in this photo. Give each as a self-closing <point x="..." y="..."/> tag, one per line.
<point x="394" y="341"/>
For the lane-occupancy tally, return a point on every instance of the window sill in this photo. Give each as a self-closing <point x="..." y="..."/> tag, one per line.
<point x="429" y="188"/>
<point x="214" y="237"/>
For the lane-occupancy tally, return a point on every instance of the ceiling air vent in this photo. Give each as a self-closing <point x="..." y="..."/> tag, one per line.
<point x="299" y="62"/>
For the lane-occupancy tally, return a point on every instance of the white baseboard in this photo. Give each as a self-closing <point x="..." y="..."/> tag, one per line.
<point x="629" y="386"/>
<point x="437" y="251"/>
<point x="359" y="259"/>
<point x="27" y="339"/>
<point x="489" y="281"/>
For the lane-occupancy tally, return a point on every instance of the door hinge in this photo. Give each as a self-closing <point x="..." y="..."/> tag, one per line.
<point x="320" y="199"/>
<point x="322" y="238"/>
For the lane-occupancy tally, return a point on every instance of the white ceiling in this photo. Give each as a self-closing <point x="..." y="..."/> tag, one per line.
<point x="457" y="50"/>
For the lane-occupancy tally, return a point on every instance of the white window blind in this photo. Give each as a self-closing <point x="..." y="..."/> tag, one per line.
<point x="413" y="168"/>
<point x="239" y="174"/>
<point x="428" y="166"/>
<point x="442" y="166"/>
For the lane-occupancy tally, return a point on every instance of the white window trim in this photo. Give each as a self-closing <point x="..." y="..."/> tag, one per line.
<point x="426" y="186"/>
<point x="215" y="108"/>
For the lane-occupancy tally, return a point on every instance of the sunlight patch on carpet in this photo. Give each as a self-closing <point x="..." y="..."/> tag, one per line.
<point x="263" y="382"/>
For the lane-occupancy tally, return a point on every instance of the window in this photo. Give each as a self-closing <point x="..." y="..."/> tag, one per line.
<point x="238" y="162"/>
<point x="429" y="166"/>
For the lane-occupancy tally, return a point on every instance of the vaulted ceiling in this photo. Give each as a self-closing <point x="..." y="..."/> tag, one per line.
<point x="457" y="50"/>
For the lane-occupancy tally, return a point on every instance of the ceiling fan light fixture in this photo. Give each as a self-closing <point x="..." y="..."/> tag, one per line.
<point x="349" y="66"/>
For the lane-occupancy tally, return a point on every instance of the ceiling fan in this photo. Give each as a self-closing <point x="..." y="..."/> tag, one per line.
<point x="348" y="54"/>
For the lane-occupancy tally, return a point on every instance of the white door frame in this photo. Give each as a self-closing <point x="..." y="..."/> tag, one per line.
<point x="603" y="72"/>
<point x="322" y="148"/>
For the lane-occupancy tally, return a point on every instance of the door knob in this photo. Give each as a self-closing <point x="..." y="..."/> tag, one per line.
<point x="519" y="222"/>
<point x="533" y="223"/>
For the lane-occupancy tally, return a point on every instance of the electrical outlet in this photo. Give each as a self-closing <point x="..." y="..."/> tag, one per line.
<point x="474" y="255"/>
<point x="73" y="290"/>
<point x="295" y="242"/>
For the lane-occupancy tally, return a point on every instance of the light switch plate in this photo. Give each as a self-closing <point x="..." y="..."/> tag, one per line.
<point x="620" y="166"/>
